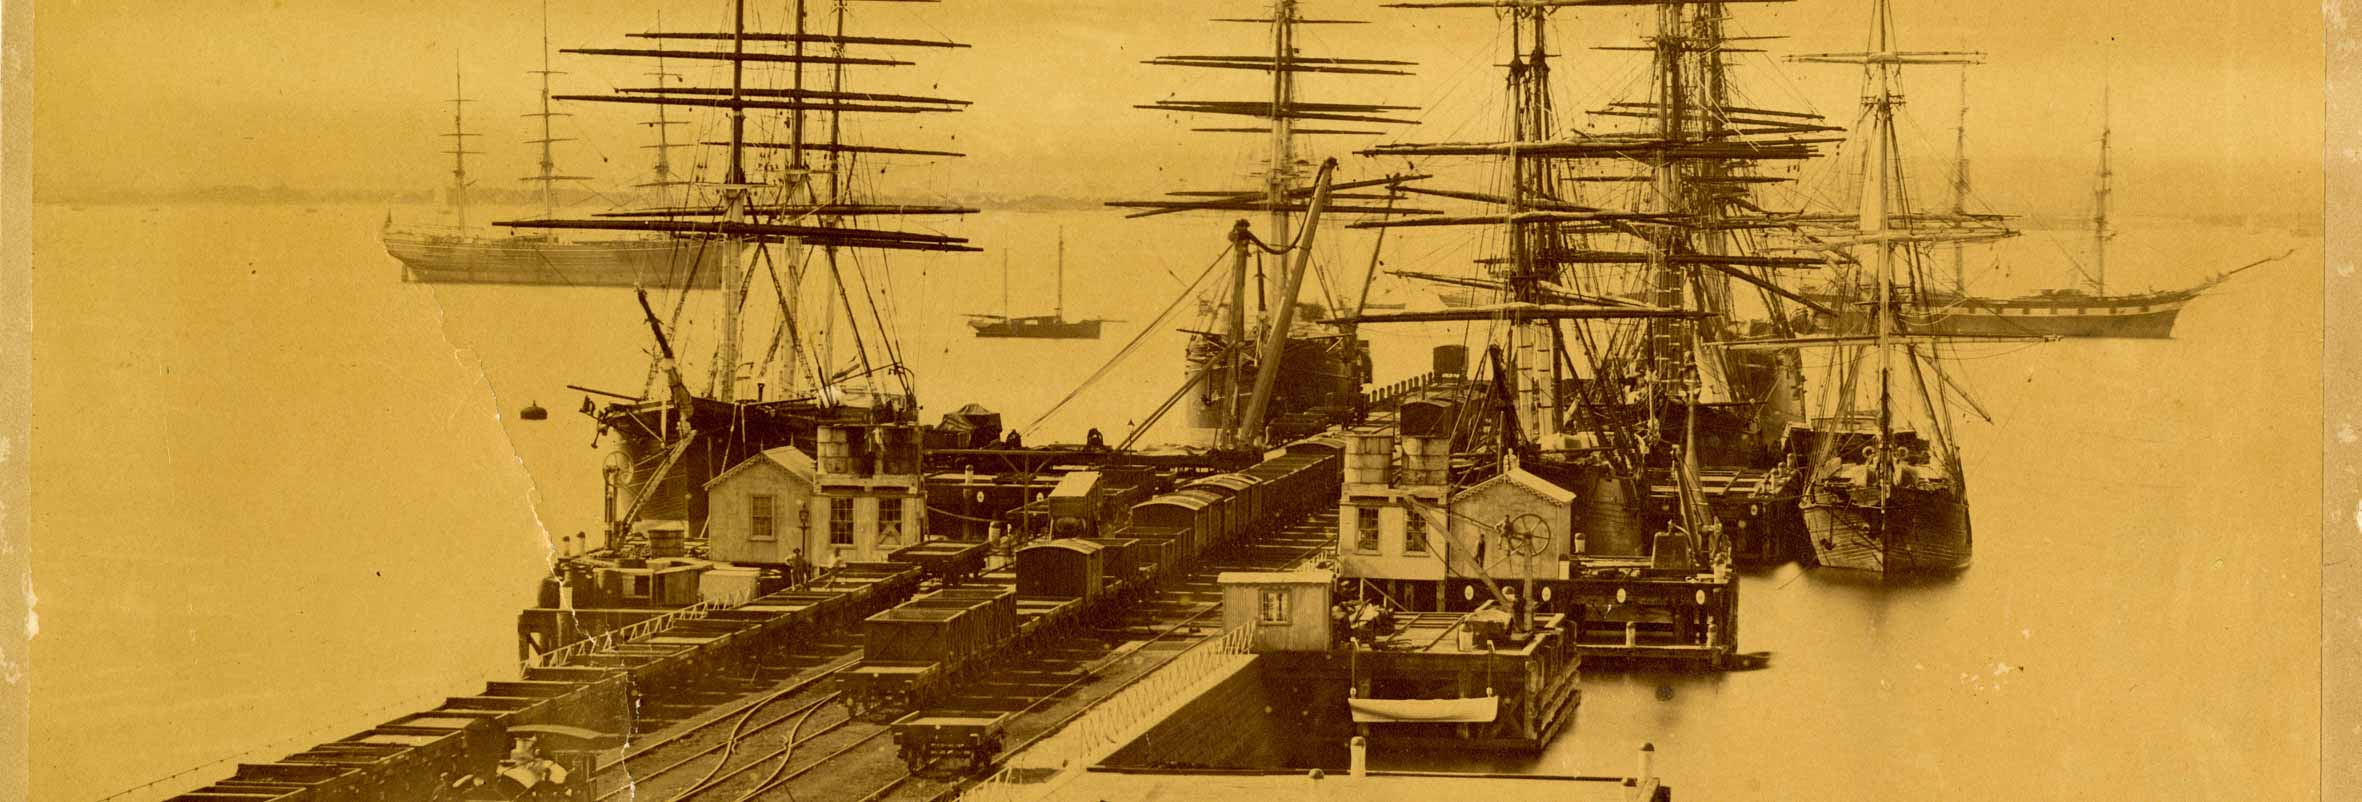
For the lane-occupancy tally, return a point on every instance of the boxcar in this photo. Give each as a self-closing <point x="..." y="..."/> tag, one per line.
<point x="1065" y="569"/>
<point x="1195" y="512"/>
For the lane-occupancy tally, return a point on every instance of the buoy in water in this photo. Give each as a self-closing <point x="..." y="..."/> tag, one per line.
<point x="533" y="411"/>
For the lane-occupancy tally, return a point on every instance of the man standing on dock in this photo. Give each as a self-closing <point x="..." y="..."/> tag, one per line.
<point x="799" y="570"/>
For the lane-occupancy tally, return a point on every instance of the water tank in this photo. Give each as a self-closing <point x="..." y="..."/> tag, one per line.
<point x="1368" y="455"/>
<point x="1425" y="460"/>
<point x="836" y="450"/>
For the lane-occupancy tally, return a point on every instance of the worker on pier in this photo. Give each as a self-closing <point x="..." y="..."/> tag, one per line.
<point x="799" y="570"/>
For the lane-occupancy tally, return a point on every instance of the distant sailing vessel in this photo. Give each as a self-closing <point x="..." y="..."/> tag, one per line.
<point x="1053" y="326"/>
<point x="460" y="256"/>
<point x="2069" y="312"/>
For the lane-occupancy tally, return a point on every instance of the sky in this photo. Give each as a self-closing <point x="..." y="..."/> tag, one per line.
<point x="2216" y="107"/>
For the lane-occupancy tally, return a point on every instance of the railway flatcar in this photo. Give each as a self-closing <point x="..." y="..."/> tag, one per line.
<point x="949" y="743"/>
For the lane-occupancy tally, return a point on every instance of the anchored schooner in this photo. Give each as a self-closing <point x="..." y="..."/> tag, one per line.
<point x="1053" y="326"/>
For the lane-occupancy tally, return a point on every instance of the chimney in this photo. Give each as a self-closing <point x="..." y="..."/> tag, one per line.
<point x="1648" y="764"/>
<point x="1361" y="756"/>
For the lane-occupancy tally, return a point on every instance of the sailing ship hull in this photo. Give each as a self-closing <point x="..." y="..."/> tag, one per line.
<point x="1917" y="531"/>
<point x="1037" y="328"/>
<point x="2126" y="316"/>
<point x="2053" y="314"/>
<point x="646" y="262"/>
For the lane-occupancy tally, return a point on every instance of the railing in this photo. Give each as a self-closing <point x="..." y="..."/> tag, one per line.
<point x="630" y="632"/>
<point x="1093" y="732"/>
<point x="1399" y="389"/>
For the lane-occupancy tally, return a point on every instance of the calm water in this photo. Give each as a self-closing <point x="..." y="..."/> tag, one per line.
<point x="282" y="496"/>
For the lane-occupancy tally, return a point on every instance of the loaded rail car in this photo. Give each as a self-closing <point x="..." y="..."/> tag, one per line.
<point x="422" y="755"/>
<point x="946" y="562"/>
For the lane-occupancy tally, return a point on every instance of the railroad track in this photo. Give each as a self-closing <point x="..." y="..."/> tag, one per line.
<point x="1169" y="617"/>
<point x="709" y="744"/>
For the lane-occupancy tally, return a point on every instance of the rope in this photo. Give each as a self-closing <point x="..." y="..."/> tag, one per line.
<point x="1137" y="339"/>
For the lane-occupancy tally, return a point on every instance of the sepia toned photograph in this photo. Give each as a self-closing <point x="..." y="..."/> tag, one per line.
<point x="1091" y="400"/>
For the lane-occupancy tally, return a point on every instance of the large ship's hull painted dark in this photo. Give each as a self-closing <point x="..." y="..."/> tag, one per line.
<point x="1916" y="531"/>
<point x="645" y="262"/>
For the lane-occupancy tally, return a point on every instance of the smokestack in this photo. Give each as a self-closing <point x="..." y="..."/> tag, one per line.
<point x="1361" y="756"/>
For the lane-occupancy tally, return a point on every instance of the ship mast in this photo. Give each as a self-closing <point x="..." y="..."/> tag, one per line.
<point x="548" y="178"/>
<point x="662" y="173"/>
<point x="1687" y="148"/>
<point x="1285" y="117"/>
<point x="1960" y="186"/>
<point x="459" y="151"/>
<point x="791" y="211"/>
<point x="2100" y="232"/>
<point x="1876" y="226"/>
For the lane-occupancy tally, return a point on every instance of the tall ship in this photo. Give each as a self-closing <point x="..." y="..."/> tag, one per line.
<point x="1885" y="487"/>
<point x="1664" y="207"/>
<point x="1262" y="316"/>
<point x="822" y="371"/>
<point x="2064" y="312"/>
<point x="460" y="255"/>
<point x="1588" y="470"/>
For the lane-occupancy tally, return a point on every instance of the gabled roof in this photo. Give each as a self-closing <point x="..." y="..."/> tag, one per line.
<point x="1518" y="477"/>
<point x="795" y="461"/>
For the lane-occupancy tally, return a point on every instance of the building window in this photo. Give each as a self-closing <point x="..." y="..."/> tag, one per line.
<point x="639" y="586"/>
<point x="1414" y="533"/>
<point x="1365" y="530"/>
<point x="889" y="520"/>
<point x="840" y="522"/>
<point x="760" y="511"/>
<point x="1275" y="607"/>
